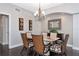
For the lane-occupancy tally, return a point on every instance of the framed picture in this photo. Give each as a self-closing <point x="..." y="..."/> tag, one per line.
<point x="55" y="23"/>
<point x="21" y="24"/>
<point x="30" y="25"/>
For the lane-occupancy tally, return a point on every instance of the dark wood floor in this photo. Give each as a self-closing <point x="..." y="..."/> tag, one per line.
<point x="4" y="51"/>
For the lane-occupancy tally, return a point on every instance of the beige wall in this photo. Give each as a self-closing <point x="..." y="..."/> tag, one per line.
<point x="66" y="24"/>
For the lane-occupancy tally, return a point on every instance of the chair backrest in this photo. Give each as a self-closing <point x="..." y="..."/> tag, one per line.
<point x="65" y="43"/>
<point x="25" y="40"/>
<point x="66" y="39"/>
<point x="61" y="36"/>
<point x="29" y="35"/>
<point x="44" y="35"/>
<point x="53" y="35"/>
<point x="38" y="43"/>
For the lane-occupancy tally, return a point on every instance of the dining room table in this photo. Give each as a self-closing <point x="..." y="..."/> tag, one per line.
<point x="51" y="42"/>
<point x="47" y="41"/>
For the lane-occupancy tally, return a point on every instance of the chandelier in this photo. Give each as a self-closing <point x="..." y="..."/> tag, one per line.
<point x="40" y="14"/>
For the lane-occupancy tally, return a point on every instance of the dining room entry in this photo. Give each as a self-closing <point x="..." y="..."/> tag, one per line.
<point x="4" y="34"/>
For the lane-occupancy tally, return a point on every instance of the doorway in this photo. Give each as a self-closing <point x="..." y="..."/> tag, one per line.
<point x="4" y="34"/>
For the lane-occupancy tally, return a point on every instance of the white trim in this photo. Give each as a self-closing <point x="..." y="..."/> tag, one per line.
<point x="15" y="46"/>
<point x="4" y="43"/>
<point x="69" y="45"/>
<point x="75" y="48"/>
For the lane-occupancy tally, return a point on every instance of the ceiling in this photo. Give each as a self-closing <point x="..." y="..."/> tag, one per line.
<point x="33" y="7"/>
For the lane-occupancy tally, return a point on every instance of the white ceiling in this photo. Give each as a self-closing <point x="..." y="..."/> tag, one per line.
<point x="33" y="7"/>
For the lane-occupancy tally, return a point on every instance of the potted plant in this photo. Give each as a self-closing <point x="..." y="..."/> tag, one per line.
<point x="53" y="30"/>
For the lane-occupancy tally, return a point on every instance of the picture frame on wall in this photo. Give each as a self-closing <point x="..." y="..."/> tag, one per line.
<point x="30" y="25"/>
<point x="55" y="23"/>
<point x="21" y="24"/>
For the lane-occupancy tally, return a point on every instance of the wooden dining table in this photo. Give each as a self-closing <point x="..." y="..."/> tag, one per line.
<point x="51" y="40"/>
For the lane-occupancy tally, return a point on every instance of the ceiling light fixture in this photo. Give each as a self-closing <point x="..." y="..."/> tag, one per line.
<point x="39" y="14"/>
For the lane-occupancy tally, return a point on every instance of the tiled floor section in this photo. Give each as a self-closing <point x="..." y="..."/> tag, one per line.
<point x="16" y="52"/>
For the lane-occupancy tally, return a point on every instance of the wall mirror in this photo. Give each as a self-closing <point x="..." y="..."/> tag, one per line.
<point x="55" y="23"/>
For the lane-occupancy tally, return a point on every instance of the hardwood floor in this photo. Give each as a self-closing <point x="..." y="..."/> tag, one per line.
<point x="4" y="51"/>
<point x="16" y="52"/>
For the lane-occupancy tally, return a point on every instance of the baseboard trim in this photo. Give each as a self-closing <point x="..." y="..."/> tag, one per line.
<point x="75" y="48"/>
<point x="3" y="43"/>
<point x="14" y="46"/>
<point x="69" y="45"/>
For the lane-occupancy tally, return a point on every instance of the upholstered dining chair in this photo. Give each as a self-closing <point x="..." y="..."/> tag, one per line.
<point x="26" y="43"/>
<point x="53" y="36"/>
<point x="29" y="36"/>
<point x="39" y="45"/>
<point x="61" y="48"/>
<point x="64" y="44"/>
<point x="46" y="43"/>
<point x="44" y="35"/>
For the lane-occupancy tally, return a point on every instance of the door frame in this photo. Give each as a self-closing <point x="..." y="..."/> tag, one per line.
<point x="9" y="15"/>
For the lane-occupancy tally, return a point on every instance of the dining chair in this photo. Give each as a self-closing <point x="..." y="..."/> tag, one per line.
<point x="44" y="35"/>
<point x="29" y="36"/>
<point x="39" y="45"/>
<point x="46" y="43"/>
<point x="61" y="48"/>
<point x="26" y="43"/>
<point x="61" y="38"/>
<point x="64" y="45"/>
<point x="53" y="36"/>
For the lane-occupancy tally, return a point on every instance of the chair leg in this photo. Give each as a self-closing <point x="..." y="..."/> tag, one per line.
<point x="65" y="54"/>
<point x="22" y="50"/>
<point x="34" y="53"/>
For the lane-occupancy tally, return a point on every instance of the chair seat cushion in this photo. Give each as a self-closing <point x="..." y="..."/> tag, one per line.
<point x="59" y="41"/>
<point x="46" y="51"/>
<point x="56" y="48"/>
<point x="46" y="43"/>
<point x="31" y="44"/>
